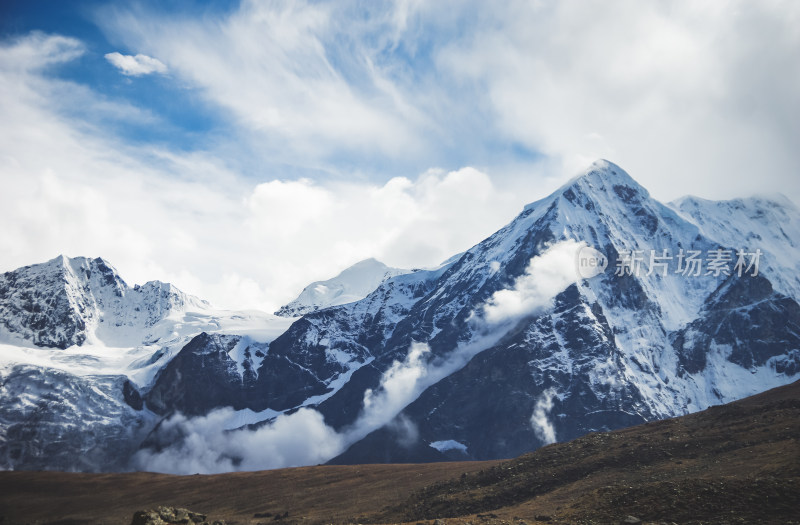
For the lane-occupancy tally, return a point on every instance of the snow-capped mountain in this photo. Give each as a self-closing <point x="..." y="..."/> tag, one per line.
<point x="506" y="347"/>
<point x="66" y="302"/>
<point x="353" y="284"/>
<point x="771" y="225"/>
<point x="77" y="348"/>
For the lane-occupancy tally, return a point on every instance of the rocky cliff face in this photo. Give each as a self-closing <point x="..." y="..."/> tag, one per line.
<point x="65" y="301"/>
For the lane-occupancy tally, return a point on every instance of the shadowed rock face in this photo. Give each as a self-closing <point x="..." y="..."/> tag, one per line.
<point x="45" y="413"/>
<point x="501" y="387"/>
<point x="754" y="322"/>
<point x="200" y="378"/>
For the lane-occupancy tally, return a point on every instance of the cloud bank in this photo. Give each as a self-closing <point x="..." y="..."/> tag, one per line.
<point x="201" y="445"/>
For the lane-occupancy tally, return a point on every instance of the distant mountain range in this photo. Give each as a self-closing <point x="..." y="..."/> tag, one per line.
<point x="596" y="308"/>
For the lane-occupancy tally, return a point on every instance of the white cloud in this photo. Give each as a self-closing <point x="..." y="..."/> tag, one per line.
<point x="136" y="66"/>
<point x="400" y="384"/>
<point x="405" y="223"/>
<point x="540" y="418"/>
<point x="685" y="101"/>
<point x="690" y="97"/>
<point x="545" y="276"/>
<point x="200" y="445"/>
<point x="38" y="50"/>
<point x="293" y="74"/>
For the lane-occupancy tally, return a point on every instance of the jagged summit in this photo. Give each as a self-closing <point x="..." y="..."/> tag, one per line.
<point x="602" y="180"/>
<point x="66" y="300"/>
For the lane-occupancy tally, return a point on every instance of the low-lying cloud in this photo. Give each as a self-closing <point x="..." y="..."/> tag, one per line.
<point x="201" y="445"/>
<point x="546" y="275"/>
<point x="182" y="445"/>
<point x="540" y="421"/>
<point x="399" y="385"/>
<point x="302" y="438"/>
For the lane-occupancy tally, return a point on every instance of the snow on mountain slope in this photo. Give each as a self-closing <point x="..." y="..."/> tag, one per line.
<point x="306" y="365"/>
<point x="78" y="347"/>
<point x="53" y="420"/>
<point x="771" y="225"/>
<point x="66" y="302"/>
<point x="353" y="284"/>
<point x="79" y="316"/>
<point x="630" y="328"/>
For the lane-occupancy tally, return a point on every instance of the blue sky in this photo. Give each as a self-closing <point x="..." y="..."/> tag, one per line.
<point x="189" y="121"/>
<point x="244" y="149"/>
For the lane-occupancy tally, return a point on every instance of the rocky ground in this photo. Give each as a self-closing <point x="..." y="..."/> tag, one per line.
<point x="737" y="463"/>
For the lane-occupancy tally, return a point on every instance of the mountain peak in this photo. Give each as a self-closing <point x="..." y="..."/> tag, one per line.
<point x="605" y="177"/>
<point x="602" y="180"/>
<point x="367" y="263"/>
<point x="352" y="284"/>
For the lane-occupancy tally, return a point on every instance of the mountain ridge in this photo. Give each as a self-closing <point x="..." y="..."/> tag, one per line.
<point x="601" y="352"/>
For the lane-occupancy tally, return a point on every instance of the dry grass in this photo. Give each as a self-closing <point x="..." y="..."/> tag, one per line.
<point x="332" y="494"/>
<point x="738" y="463"/>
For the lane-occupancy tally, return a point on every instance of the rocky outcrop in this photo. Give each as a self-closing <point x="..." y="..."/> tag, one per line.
<point x="171" y="516"/>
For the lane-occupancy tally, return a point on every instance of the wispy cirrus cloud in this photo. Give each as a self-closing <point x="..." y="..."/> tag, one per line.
<point x="690" y="97"/>
<point x="295" y="74"/>
<point x="135" y="65"/>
